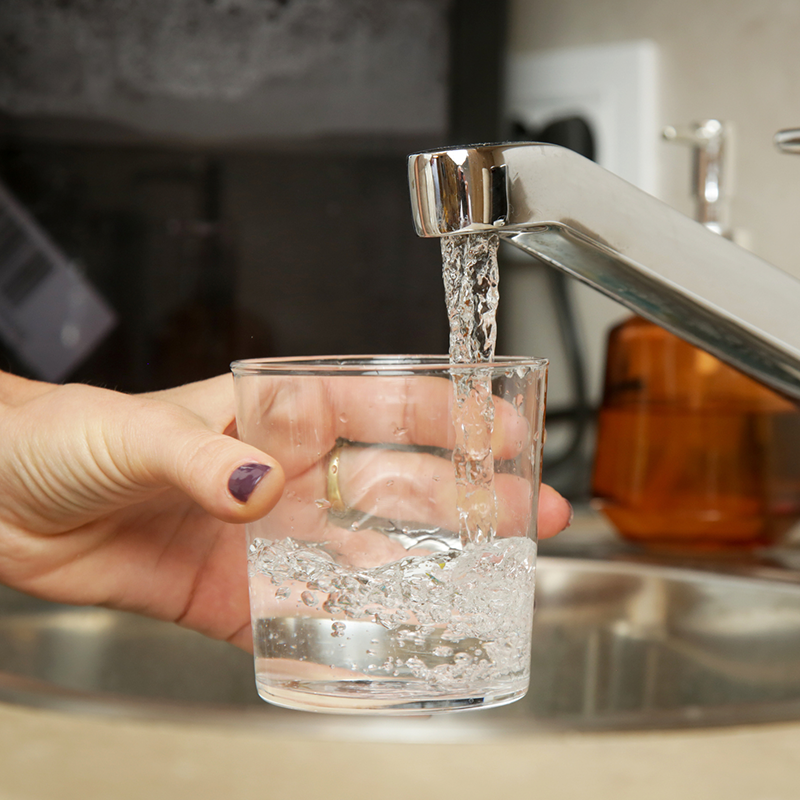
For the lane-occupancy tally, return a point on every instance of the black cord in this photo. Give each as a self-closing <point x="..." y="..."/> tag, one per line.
<point x="581" y="412"/>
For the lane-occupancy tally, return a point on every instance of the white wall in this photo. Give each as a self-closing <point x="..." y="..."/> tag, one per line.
<point x="735" y="60"/>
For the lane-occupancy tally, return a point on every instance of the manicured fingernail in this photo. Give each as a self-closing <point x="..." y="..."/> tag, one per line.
<point x="244" y="480"/>
<point x="571" y="515"/>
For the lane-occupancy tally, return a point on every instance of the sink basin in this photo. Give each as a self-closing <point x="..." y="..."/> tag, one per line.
<point x="617" y="646"/>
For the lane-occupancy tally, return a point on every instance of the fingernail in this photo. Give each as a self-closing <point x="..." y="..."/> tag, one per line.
<point x="244" y="480"/>
<point x="571" y="515"/>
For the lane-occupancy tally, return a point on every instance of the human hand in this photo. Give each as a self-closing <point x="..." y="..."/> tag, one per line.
<point x="127" y="501"/>
<point x="392" y="439"/>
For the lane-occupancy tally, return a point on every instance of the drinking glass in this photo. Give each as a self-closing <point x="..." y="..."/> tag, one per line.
<point x="396" y="573"/>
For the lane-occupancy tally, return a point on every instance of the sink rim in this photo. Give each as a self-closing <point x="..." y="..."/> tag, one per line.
<point x="26" y="691"/>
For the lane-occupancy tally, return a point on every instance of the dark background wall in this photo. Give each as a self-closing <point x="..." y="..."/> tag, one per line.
<point x="263" y="211"/>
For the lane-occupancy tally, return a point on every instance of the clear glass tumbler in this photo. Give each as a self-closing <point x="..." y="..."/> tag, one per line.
<point x="393" y="576"/>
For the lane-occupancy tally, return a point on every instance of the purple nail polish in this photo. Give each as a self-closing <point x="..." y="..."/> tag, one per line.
<point x="244" y="480"/>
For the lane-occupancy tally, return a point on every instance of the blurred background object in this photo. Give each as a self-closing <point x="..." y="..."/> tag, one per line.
<point x="231" y="175"/>
<point x="51" y="317"/>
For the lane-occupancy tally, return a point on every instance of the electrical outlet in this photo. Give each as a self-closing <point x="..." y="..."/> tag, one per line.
<point x="613" y="87"/>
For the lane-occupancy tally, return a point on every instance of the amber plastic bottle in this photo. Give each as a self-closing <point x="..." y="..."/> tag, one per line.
<point x="691" y="452"/>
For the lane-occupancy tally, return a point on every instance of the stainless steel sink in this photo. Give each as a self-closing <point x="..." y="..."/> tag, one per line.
<point x="617" y="645"/>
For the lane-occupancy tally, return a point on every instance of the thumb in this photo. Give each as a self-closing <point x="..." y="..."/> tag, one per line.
<point x="231" y="480"/>
<point x="74" y="453"/>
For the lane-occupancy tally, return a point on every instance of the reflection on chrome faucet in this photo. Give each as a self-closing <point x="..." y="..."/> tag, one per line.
<point x="568" y="212"/>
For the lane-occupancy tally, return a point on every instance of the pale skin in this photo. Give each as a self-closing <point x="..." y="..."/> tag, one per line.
<point x="124" y="500"/>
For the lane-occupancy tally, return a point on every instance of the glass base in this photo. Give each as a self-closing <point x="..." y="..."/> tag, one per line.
<point x="393" y="698"/>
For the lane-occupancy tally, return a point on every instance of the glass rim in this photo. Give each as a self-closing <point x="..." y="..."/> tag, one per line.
<point x="360" y="364"/>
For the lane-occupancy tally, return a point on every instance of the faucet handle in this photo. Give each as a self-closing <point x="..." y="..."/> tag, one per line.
<point x="707" y="134"/>
<point x="788" y="141"/>
<point x="708" y="139"/>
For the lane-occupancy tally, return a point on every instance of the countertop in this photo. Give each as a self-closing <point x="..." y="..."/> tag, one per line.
<point x="45" y="754"/>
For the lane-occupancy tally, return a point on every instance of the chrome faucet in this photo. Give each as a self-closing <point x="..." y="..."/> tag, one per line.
<point x="568" y="212"/>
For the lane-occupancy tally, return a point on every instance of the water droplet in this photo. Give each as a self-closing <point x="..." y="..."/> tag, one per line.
<point x="338" y="629"/>
<point x="390" y="483"/>
<point x="283" y="592"/>
<point x="331" y="605"/>
<point x="343" y="418"/>
<point x="323" y="503"/>
<point x="309" y="598"/>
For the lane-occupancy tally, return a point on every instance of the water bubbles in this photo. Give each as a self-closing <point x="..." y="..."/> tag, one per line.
<point x="471" y="623"/>
<point x="416" y="666"/>
<point x="309" y="598"/>
<point x="331" y="605"/>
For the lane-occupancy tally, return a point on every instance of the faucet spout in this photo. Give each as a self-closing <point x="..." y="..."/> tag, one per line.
<point x="566" y="211"/>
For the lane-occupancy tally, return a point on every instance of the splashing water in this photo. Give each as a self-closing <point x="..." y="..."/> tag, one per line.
<point x="471" y="277"/>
